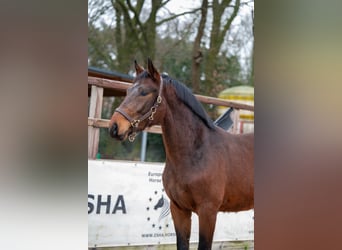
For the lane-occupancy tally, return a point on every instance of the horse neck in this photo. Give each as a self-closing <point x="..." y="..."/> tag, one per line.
<point x="183" y="131"/>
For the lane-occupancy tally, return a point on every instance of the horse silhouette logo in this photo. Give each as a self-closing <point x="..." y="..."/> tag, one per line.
<point x="158" y="211"/>
<point x="165" y="208"/>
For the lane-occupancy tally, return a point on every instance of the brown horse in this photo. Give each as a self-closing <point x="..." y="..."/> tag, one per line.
<point x="207" y="170"/>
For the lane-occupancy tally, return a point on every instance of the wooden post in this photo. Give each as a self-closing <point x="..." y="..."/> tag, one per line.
<point x="95" y="109"/>
<point x="236" y="121"/>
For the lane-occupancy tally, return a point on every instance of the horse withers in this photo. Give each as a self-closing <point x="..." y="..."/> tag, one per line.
<point x="207" y="169"/>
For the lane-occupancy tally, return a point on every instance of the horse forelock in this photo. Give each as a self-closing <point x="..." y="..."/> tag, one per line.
<point x="142" y="75"/>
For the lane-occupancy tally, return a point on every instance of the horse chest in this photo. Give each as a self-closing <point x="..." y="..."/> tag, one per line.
<point x="179" y="189"/>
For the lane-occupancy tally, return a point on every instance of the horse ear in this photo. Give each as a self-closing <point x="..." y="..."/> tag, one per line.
<point x="138" y="68"/>
<point x="152" y="70"/>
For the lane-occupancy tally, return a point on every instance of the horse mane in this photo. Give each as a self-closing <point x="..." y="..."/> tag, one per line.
<point x="187" y="97"/>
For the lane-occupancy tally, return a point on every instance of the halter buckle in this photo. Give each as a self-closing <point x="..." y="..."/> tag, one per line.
<point x="135" y="123"/>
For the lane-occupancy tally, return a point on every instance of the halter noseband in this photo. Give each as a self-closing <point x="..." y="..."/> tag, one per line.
<point x="135" y="122"/>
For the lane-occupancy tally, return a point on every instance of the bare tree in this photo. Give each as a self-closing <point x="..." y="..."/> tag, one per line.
<point x="197" y="54"/>
<point x="135" y="29"/>
<point x="219" y="29"/>
<point x="135" y="26"/>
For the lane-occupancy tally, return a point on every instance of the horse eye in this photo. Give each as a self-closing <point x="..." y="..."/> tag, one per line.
<point x="143" y="93"/>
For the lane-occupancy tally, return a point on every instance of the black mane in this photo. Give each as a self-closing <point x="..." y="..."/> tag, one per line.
<point x="189" y="100"/>
<point x="185" y="95"/>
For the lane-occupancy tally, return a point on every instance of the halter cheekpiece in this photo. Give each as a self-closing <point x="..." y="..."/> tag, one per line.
<point x="135" y="122"/>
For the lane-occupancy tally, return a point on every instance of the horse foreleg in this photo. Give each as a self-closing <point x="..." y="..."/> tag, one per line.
<point x="207" y="221"/>
<point x="182" y="222"/>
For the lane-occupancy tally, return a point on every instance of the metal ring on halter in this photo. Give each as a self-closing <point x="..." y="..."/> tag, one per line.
<point x="132" y="136"/>
<point x="153" y="111"/>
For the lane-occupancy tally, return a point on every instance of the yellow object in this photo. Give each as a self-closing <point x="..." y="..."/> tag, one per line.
<point x="240" y="94"/>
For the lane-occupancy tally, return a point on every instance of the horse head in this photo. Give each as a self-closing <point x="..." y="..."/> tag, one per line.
<point x="141" y="107"/>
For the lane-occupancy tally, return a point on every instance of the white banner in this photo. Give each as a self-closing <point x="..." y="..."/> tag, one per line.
<point x="127" y="205"/>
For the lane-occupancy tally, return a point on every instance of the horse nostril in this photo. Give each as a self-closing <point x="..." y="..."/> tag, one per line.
<point x="113" y="131"/>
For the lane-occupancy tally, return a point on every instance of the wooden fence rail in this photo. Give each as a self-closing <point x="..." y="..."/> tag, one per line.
<point x="118" y="85"/>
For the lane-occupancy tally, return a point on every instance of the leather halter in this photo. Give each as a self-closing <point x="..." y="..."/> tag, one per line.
<point x="135" y="122"/>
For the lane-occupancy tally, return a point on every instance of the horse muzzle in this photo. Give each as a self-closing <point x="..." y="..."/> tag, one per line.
<point x="119" y="128"/>
<point x="113" y="131"/>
